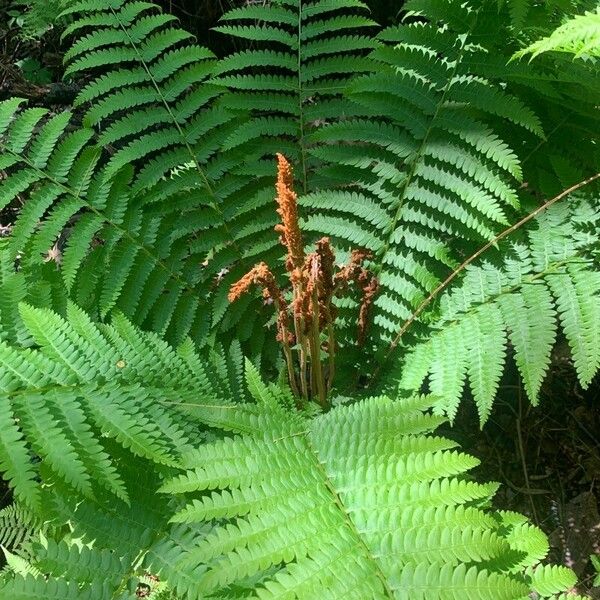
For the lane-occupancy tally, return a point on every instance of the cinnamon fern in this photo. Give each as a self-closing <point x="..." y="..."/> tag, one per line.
<point x="145" y="454"/>
<point x="545" y="282"/>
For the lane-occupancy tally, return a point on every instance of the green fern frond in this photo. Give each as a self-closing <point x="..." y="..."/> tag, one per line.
<point x="579" y="36"/>
<point x="392" y="533"/>
<point x="152" y="85"/>
<point x="361" y="501"/>
<point x="547" y="281"/>
<point x="82" y="380"/>
<point x="429" y="160"/>
<point x="76" y="206"/>
<point x="18" y="527"/>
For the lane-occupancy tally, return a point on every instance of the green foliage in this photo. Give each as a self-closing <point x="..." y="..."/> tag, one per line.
<point x="18" y="526"/>
<point x="290" y="83"/>
<point x="430" y="169"/>
<point x="363" y="500"/>
<point x="127" y="434"/>
<point x="82" y="385"/>
<point x="544" y="280"/>
<point x="35" y="18"/>
<point x="596" y="564"/>
<point x="579" y="36"/>
<point x="165" y="192"/>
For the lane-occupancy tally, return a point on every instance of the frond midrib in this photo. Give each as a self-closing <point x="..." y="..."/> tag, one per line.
<point x="347" y="519"/>
<point x="214" y="203"/>
<point x="125" y="232"/>
<point x="419" y="155"/>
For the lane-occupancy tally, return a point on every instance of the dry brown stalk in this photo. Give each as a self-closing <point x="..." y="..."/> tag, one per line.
<point x="313" y="287"/>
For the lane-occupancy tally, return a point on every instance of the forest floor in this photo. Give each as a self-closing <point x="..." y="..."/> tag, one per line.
<point x="547" y="458"/>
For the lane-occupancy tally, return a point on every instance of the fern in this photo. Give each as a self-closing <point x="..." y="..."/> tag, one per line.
<point x="579" y="36"/>
<point x="18" y="527"/>
<point x="290" y="82"/>
<point x="552" y="163"/>
<point x="545" y="281"/>
<point x="167" y="197"/>
<point x="361" y="501"/>
<point x="150" y="187"/>
<point x="101" y="184"/>
<point x="150" y="105"/>
<point x="37" y="18"/>
<point x="430" y="163"/>
<point x="83" y="380"/>
<point x="150" y="462"/>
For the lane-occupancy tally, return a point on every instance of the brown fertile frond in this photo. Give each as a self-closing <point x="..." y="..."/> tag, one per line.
<point x="327" y="257"/>
<point x="326" y="286"/>
<point x="369" y="290"/>
<point x="303" y="324"/>
<point x="289" y="228"/>
<point x="310" y="278"/>
<point x="261" y="275"/>
<point x="353" y="271"/>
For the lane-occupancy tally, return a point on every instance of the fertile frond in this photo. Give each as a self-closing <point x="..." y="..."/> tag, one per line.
<point x="545" y="281"/>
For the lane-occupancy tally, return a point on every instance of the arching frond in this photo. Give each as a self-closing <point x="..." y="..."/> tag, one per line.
<point x="361" y="502"/>
<point x="429" y="161"/>
<point x="579" y="36"/>
<point x="546" y="282"/>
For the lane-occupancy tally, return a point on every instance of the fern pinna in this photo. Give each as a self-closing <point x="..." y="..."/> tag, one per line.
<point x="362" y="501"/>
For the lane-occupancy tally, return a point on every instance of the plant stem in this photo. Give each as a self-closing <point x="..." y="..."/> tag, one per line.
<point x="479" y="252"/>
<point x="287" y="351"/>
<point x="316" y="351"/>
<point x="331" y="351"/>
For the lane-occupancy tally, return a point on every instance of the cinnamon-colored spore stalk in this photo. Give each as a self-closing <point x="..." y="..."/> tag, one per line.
<point x="289" y="228"/>
<point x="313" y="285"/>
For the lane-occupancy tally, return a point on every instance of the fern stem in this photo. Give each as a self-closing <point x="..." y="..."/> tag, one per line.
<point x="320" y="467"/>
<point x="331" y="352"/>
<point x="415" y="315"/>
<point x="316" y="352"/>
<point x="289" y="360"/>
<point x="522" y="455"/>
<point x="213" y="203"/>
<point x="287" y="352"/>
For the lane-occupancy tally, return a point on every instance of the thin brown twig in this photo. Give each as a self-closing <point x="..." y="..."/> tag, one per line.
<point x="521" y="447"/>
<point x="479" y="252"/>
<point x="316" y="351"/>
